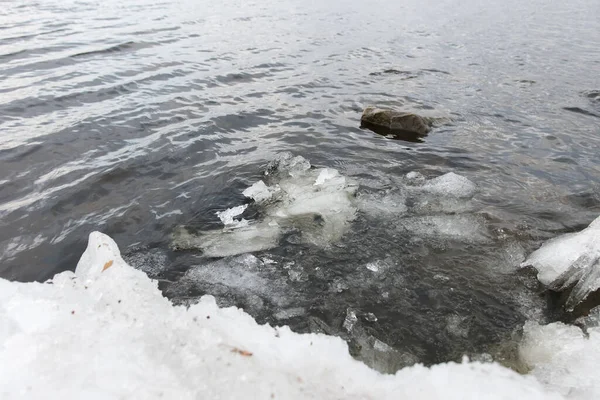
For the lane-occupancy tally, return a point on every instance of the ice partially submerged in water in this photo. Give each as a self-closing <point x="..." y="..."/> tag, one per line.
<point x="255" y="236"/>
<point x="570" y="260"/>
<point x="318" y="205"/>
<point x="316" y="202"/>
<point x="454" y="227"/>
<point x="228" y="216"/>
<point x="244" y="278"/>
<point x="107" y="332"/>
<point x="260" y="192"/>
<point x="428" y="208"/>
<point x="450" y="184"/>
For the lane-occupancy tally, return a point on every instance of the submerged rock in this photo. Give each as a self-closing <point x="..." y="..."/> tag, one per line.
<point x="402" y="125"/>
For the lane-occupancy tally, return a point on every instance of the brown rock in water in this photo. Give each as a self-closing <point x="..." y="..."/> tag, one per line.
<point x="402" y="125"/>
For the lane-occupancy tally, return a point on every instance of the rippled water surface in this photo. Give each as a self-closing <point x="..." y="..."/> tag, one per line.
<point x="137" y="117"/>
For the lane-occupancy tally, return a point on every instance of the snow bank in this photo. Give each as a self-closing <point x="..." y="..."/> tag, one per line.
<point x="563" y="358"/>
<point x="571" y="259"/>
<point x="317" y="202"/>
<point x="107" y="332"/>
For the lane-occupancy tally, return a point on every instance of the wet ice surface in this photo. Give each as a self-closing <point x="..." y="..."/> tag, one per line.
<point x="432" y="283"/>
<point x="570" y="261"/>
<point x="317" y="204"/>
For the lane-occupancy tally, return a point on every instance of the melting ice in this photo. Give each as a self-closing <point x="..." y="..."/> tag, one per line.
<point x="434" y="208"/>
<point x="317" y="202"/>
<point x="570" y="260"/>
<point x="321" y="204"/>
<point x="57" y="338"/>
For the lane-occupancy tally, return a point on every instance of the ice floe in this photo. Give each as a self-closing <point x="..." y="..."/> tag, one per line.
<point x="225" y="242"/>
<point x="106" y="331"/>
<point x="450" y="184"/>
<point x="317" y="202"/>
<point x="318" y="205"/>
<point x="429" y="208"/>
<point x="227" y="217"/>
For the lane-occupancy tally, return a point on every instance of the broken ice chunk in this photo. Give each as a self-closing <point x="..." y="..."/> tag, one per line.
<point x="415" y="176"/>
<point x="295" y="272"/>
<point x="290" y="313"/>
<point x="350" y="320"/>
<point x="373" y="266"/>
<point x="260" y="192"/>
<point x="325" y="175"/>
<point x="457" y="326"/>
<point x="229" y="242"/>
<point x="383" y="203"/>
<point x="378" y="345"/>
<point x="379" y="265"/>
<point x="338" y="285"/>
<point x="450" y="184"/>
<point x="371" y="317"/>
<point x="570" y="259"/>
<point x="227" y="216"/>
<point x="563" y="358"/>
<point x="292" y="202"/>
<point x="592" y="320"/>
<point x="286" y="164"/>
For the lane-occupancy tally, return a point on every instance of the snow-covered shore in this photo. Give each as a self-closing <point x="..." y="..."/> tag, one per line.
<point x="106" y="331"/>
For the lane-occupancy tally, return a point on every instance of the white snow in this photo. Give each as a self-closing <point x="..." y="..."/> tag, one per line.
<point x="468" y="228"/>
<point x="569" y="259"/>
<point x="288" y="165"/>
<point x="563" y="358"/>
<point x="101" y="254"/>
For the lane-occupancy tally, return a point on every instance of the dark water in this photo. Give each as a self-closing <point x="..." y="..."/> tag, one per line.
<point x="135" y="117"/>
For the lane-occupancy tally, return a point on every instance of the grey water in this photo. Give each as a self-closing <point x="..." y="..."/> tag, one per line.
<point x="136" y="117"/>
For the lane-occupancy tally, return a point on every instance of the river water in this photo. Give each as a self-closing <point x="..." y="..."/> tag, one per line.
<point x="137" y="117"/>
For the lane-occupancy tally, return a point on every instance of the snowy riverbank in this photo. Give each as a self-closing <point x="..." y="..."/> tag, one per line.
<point x="106" y="331"/>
